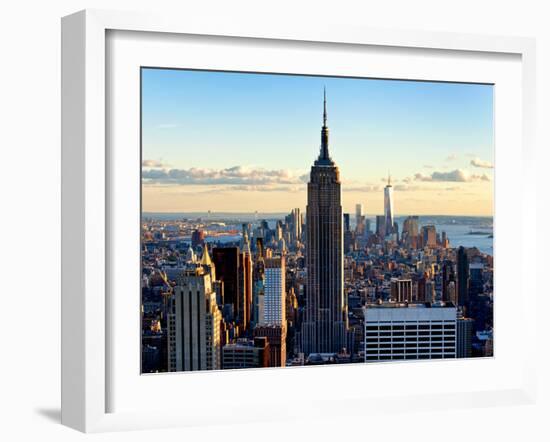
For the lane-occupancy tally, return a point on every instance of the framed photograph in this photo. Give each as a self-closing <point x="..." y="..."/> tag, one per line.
<point x="318" y="212"/>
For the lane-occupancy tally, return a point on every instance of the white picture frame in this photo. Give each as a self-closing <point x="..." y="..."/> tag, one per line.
<point x="86" y="356"/>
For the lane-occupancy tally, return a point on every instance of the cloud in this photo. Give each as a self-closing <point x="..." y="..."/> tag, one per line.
<point x="407" y="188"/>
<point x="451" y="157"/>
<point x="361" y="188"/>
<point x="455" y="176"/>
<point x="267" y="188"/>
<point x="428" y="166"/>
<point x="236" y="175"/>
<point x="415" y="188"/>
<point x="476" y="162"/>
<point x="152" y="163"/>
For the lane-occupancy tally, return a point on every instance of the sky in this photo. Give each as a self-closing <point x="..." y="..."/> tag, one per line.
<point x="244" y="142"/>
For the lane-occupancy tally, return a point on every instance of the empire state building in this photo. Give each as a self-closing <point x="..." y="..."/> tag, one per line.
<point x="325" y="323"/>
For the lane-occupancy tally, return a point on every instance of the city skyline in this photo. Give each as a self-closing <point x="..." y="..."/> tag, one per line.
<point x="234" y="166"/>
<point x="309" y="288"/>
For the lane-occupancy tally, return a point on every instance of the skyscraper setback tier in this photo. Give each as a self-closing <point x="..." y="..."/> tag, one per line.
<point x="324" y="329"/>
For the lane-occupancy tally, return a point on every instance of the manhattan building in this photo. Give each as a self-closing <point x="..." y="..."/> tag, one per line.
<point x="276" y="339"/>
<point x="409" y="234"/>
<point x="324" y="329"/>
<point x="246" y="354"/>
<point x="429" y="236"/>
<point x="227" y="263"/>
<point x="272" y="324"/>
<point x="464" y="334"/>
<point x="274" y="293"/>
<point x="396" y="331"/>
<point x="463" y="276"/>
<point x="194" y="320"/>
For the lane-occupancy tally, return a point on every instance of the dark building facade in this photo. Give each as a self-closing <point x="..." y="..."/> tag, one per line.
<point x="464" y="335"/>
<point x="227" y="263"/>
<point x="380" y="226"/>
<point x="349" y="245"/>
<point x="447" y="276"/>
<point x="197" y="238"/>
<point x="245" y="286"/>
<point x="276" y="338"/>
<point x="346" y="222"/>
<point x="476" y="280"/>
<point x="325" y="326"/>
<point x="463" y="276"/>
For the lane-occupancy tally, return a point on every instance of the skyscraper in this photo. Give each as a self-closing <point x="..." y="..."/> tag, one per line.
<point x="227" y="264"/>
<point x="274" y="292"/>
<point x="418" y="331"/>
<point x="258" y="289"/>
<point x="421" y="289"/>
<point x="358" y="215"/>
<point x="346" y="222"/>
<point x="296" y="225"/>
<point x="388" y="207"/>
<point x="380" y="226"/>
<point x="409" y="234"/>
<point x="463" y="276"/>
<point x="429" y="236"/>
<point x="197" y="238"/>
<point x="444" y="240"/>
<point x="276" y="338"/>
<point x="325" y="325"/>
<point x="464" y="333"/>
<point x="447" y="276"/>
<point x="476" y="279"/>
<point x="194" y="321"/>
<point x="245" y="286"/>
<point x="348" y="235"/>
<point x="272" y="319"/>
<point x="213" y="332"/>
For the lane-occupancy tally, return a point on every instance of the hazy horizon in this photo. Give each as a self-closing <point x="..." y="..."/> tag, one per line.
<point x="352" y="213"/>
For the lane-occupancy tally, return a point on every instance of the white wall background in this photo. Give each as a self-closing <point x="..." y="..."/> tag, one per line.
<point x="30" y="212"/>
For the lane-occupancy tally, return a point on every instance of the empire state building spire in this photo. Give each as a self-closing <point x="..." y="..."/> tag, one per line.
<point x="325" y="325"/>
<point x="324" y="107"/>
<point x="324" y="157"/>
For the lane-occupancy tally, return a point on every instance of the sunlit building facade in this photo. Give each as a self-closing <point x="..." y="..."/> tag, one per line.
<point x="395" y="331"/>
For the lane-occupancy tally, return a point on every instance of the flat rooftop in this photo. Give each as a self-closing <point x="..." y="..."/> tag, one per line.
<point x="411" y="305"/>
<point x="416" y="311"/>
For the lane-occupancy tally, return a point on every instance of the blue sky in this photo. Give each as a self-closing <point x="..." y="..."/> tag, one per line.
<point x="258" y="122"/>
